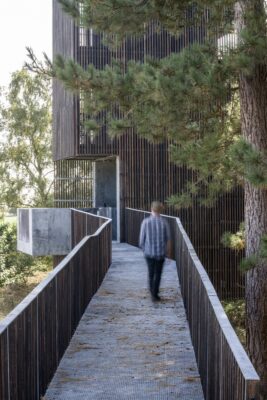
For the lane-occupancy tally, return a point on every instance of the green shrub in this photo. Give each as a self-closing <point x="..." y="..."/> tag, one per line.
<point x="15" y="267"/>
<point x="236" y="312"/>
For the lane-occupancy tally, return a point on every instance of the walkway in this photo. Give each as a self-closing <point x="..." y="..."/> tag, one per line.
<point x="126" y="347"/>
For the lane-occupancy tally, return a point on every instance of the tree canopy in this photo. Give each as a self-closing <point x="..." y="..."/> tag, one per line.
<point x="25" y="150"/>
<point x="190" y="98"/>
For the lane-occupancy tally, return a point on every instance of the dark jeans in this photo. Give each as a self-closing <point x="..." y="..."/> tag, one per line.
<point x="154" y="274"/>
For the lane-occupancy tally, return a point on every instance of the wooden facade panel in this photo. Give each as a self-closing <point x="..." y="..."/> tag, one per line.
<point x="146" y="172"/>
<point x="4" y="366"/>
<point x="79" y="225"/>
<point x="34" y="337"/>
<point x="201" y="341"/>
<point x="86" y="276"/>
<point x="64" y="111"/>
<point x="214" y="355"/>
<point x="22" y="341"/>
<point x="64" y="309"/>
<point x="73" y="184"/>
<point x="96" y="273"/>
<point x="65" y="104"/>
<point x="146" y="175"/>
<point x="47" y="335"/>
<point x="225" y="369"/>
<point x="84" y="224"/>
<point x="221" y="264"/>
<point x="86" y="47"/>
<point x="75" y="293"/>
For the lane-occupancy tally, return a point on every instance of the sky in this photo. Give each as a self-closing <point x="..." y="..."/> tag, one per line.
<point x="23" y="23"/>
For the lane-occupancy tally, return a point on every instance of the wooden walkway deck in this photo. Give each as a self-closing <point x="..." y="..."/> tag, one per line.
<point x="126" y="347"/>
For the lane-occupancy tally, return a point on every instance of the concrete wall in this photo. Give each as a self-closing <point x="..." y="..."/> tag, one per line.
<point x="44" y="231"/>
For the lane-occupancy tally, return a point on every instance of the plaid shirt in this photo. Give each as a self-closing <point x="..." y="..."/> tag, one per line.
<point x="154" y="234"/>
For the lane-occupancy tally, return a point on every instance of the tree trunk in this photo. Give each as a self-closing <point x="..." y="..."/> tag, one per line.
<point x="253" y="98"/>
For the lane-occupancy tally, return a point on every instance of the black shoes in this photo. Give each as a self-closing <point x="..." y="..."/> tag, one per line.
<point x="156" y="297"/>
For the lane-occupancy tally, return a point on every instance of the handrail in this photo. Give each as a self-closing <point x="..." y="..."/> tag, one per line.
<point x="84" y="223"/>
<point x="225" y="369"/>
<point x="46" y="281"/>
<point x="225" y="356"/>
<point x="35" y="335"/>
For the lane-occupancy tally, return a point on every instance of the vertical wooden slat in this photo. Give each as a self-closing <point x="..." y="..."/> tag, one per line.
<point x="225" y="369"/>
<point x="35" y="335"/>
<point x="4" y="366"/>
<point x="145" y="175"/>
<point x="47" y="335"/>
<point x="22" y="351"/>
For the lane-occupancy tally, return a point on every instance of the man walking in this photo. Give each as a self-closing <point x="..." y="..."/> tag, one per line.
<point x="155" y="241"/>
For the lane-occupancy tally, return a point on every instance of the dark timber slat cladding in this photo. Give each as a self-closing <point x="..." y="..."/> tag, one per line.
<point x="4" y="366"/>
<point x="34" y="336"/>
<point x="47" y="323"/>
<point x="84" y="224"/>
<point x="73" y="184"/>
<point x="22" y="350"/>
<point x="146" y="172"/>
<point x="205" y="227"/>
<point x="64" y="103"/>
<point x="225" y="370"/>
<point x="87" y="47"/>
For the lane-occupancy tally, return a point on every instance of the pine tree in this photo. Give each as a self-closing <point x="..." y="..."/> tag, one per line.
<point x="209" y="100"/>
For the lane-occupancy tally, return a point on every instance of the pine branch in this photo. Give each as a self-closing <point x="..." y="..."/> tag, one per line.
<point x="45" y="68"/>
<point x="72" y="7"/>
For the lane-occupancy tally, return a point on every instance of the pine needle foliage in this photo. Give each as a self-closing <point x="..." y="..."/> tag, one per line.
<point x="190" y="98"/>
<point x="259" y="258"/>
<point x="235" y="241"/>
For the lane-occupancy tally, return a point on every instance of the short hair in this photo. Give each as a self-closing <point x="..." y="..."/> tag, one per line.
<point x="156" y="206"/>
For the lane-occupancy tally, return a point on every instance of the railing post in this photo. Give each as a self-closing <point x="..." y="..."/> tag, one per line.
<point x="34" y="336"/>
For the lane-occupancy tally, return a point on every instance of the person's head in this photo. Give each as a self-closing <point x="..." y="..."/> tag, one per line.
<point x="156" y="207"/>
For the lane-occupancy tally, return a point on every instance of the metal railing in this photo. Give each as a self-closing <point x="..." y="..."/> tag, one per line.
<point x="35" y="335"/>
<point x="225" y="369"/>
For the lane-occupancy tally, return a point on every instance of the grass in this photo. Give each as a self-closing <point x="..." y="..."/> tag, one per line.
<point x="13" y="294"/>
<point x="8" y="218"/>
